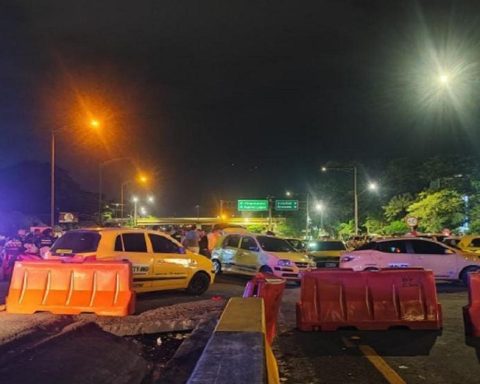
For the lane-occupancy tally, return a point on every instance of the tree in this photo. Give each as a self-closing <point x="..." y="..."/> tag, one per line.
<point x="397" y="227"/>
<point x="438" y="210"/>
<point x="396" y="208"/>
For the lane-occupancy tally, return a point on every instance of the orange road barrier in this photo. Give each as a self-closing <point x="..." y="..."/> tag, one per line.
<point x="377" y="300"/>
<point x="270" y="288"/>
<point x="471" y="312"/>
<point x="100" y="287"/>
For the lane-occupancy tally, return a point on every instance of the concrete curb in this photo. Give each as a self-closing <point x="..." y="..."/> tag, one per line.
<point x="237" y="351"/>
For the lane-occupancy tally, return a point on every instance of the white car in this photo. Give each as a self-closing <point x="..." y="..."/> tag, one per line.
<point x="248" y="253"/>
<point x="446" y="263"/>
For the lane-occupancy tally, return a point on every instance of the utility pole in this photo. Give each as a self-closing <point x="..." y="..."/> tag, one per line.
<point x="307" y="208"/>
<point x="355" y="193"/>
<point x="52" y="182"/>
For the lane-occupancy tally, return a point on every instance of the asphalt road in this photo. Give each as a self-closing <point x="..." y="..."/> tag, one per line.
<point x="346" y="356"/>
<point x="403" y="356"/>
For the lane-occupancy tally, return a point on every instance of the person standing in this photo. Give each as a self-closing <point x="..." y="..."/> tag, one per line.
<point x="191" y="239"/>
<point x="213" y="238"/>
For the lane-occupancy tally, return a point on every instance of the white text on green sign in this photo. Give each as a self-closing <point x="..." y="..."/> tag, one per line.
<point x="253" y="205"/>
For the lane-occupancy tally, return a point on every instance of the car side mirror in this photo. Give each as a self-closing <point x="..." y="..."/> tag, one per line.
<point x="449" y="251"/>
<point x="253" y="249"/>
<point x="182" y="250"/>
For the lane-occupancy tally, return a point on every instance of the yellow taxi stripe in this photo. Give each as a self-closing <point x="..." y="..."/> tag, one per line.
<point x="390" y="375"/>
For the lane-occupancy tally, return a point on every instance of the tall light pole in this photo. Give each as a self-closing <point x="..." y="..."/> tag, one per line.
<point x="135" y="202"/>
<point x="355" y="191"/>
<point x="100" y="179"/>
<point x="319" y="207"/>
<point x="142" y="178"/>
<point x="93" y="124"/>
<point x="52" y="180"/>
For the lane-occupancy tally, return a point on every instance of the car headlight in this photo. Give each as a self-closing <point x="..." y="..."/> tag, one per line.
<point x="284" y="263"/>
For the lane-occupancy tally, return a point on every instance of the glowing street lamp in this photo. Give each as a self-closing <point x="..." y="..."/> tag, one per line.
<point x="141" y="179"/>
<point x="52" y="173"/>
<point x="372" y="186"/>
<point x="150" y="199"/>
<point x="94" y="123"/>
<point x="288" y="194"/>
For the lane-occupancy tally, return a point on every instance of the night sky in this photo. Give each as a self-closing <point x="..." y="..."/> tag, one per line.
<point x="232" y="99"/>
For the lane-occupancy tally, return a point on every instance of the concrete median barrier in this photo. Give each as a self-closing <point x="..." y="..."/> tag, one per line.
<point x="237" y="351"/>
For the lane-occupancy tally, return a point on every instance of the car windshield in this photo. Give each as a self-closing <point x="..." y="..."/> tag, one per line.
<point x="76" y="242"/>
<point x="297" y="244"/>
<point x="326" y="246"/>
<point x="274" y="244"/>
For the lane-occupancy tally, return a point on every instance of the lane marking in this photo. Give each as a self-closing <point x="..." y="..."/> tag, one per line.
<point x="390" y="375"/>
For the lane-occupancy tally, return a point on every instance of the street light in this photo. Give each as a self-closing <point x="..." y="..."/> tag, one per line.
<point x="288" y="194"/>
<point x="355" y="194"/>
<point x="319" y="207"/>
<point x="52" y="171"/>
<point x="372" y="186"/>
<point x="135" y="201"/>
<point x="141" y="178"/>
<point x="100" y="176"/>
<point x="150" y="199"/>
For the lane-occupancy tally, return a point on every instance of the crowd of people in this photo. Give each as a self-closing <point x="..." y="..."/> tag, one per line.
<point x="194" y="238"/>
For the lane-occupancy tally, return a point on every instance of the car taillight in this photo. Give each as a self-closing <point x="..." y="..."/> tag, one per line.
<point x="345" y="259"/>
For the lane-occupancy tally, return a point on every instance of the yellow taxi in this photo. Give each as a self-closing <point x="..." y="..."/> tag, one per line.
<point x="326" y="253"/>
<point x="470" y="243"/>
<point x="158" y="261"/>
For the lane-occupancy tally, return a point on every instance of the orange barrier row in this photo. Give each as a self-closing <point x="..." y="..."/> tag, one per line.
<point x="332" y="299"/>
<point x="471" y="312"/>
<point x="270" y="288"/>
<point x="101" y="287"/>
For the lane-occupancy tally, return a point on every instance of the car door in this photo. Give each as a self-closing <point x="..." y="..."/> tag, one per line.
<point x="248" y="255"/>
<point x="229" y="251"/>
<point x="133" y="247"/>
<point x="434" y="256"/>
<point x="393" y="254"/>
<point x="170" y="265"/>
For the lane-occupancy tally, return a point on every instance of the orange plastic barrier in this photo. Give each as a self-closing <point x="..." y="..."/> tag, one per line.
<point x="471" y="312"/>
<point x="270" y="288"/>
<point x="332" y="299"/>
<point x="101" y="287"/>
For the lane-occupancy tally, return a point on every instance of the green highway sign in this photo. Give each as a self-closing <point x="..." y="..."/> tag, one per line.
<point x="252" y="205"/>
<point x="286" y="205"/>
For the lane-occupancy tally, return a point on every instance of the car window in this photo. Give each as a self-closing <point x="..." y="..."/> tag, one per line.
<point x="394" y="246"/>
<point x="475" y="242"/>
<point x="274" y="244"/>
<point x="370" y="245"/>
<point x="118" y="244"/>
<point x="76" y="242"/>
<point x="427" y="248"/>
<point x="249" y="244"/>
<point x="134" y="242"/>
<point x="161" y="244"/>
<point x="326" y="246"/>
<point x="231" y="241"/>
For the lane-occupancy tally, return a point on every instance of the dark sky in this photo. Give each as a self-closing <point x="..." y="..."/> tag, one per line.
<point x="231" y="98"/>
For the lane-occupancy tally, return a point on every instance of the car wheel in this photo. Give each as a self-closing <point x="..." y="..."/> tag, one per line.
<point x="266" y="269"/>
<point x="465" y="272"/>
<point x="198" y="284"/>
<point x="217" y="266"/>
